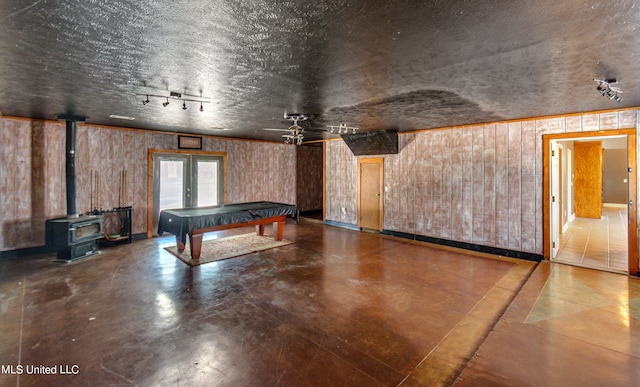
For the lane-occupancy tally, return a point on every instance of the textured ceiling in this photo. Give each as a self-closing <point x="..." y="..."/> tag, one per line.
<point x="372" y="64"/>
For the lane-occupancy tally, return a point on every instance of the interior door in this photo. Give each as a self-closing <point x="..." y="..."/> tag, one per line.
<point x="588" y="178"/>
<point x="370" y="208"/>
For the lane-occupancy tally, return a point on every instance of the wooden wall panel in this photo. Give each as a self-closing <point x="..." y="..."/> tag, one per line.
<point x="308" y="177"/>
<point x="427" y="174"/>
<point x="11" y="142"/>
<point x="420" y="183"/>
<point x="407" y="187"/>
<point x="55" y="186"/>
<point x="38" y="194"/>
<point x="609" y="121"/>
<point x="446" y="200"/>
<point x="529" y="187"/>
<point x="341" y="189"/>
<point x="590" y="122"/>
<point x="542" y="128"/>
<point x="478" y="184"/>
<point x="489" y="183"/>
<point x="456" y="184"/>
<point x="137" y="171"/>
<point x="502" y="186"/>
<point x="574" y="123"/>
<point x="514" y="191"/>
<point x="467" y="186"/>
<point x="627" y="119"/>
<point x="437" y="182"/>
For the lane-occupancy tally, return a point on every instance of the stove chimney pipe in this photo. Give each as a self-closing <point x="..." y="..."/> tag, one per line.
<point x="70" y="162"/>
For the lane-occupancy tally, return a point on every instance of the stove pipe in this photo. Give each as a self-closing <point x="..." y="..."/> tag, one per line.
<point x="70" y="162"/>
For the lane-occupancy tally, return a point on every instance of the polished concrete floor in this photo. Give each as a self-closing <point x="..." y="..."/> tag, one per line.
<point x="337" y="307"/>
<point x="597" y="243"/>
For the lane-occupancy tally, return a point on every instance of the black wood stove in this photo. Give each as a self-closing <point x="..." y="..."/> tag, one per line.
<point x="75" y="236"/>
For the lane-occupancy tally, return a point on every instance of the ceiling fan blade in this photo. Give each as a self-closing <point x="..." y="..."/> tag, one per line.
<point x="276" y="130"/>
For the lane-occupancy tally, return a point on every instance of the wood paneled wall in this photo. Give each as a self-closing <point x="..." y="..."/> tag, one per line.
<point x="475" y="184"/>
<point x="309" y="178"/>
<point x="341" y="173"/>
<point x="33" y="172"/>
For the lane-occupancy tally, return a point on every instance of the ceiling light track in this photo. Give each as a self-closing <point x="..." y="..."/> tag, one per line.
<point x="342" y="129"/>
<point x="175" y="96"/>
<point x="607" y="90"/>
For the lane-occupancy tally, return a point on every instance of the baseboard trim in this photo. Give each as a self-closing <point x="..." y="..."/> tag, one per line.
<point x="467" y="246"/>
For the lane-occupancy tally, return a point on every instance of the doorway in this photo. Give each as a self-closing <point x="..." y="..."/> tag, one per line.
<point x="370" y="189"/>
<point x="596" y="234"/>
<point x="181" y="180"/>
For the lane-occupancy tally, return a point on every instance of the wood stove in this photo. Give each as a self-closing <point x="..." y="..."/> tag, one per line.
<point x="75" y="236"/>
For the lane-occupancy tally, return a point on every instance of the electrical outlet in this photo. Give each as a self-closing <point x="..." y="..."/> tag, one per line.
<point x="344" y="210"/>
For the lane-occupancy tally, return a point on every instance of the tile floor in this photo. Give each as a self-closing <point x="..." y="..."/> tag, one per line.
<point x="568" y="326"/>
<point x="597" y="243"/>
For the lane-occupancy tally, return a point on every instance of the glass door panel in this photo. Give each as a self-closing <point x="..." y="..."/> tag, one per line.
<point x="172" y="184"/>
<point x="207" y="183"/>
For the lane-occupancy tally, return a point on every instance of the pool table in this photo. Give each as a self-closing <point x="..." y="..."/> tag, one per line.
<point x="196" y="221"/>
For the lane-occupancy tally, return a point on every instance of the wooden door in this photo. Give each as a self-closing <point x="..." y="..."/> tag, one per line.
<point x="588" y="179"/>
<point x="634" y="268"/>
<point x="370" y="198"/>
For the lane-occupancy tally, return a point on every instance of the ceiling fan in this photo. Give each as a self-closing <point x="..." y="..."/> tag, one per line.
<point x="294" y="132"/>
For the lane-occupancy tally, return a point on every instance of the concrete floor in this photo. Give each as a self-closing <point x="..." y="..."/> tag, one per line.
<point x="337" y="307"/>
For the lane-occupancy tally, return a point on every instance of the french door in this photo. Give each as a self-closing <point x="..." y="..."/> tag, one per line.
<point x="186" y="180"/>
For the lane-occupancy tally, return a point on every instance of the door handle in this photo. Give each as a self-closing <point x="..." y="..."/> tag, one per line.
<point x="631" y="203"/>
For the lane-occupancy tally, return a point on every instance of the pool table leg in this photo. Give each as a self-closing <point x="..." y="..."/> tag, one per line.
<point x="179" y="244"/>
<point x="278" y="230"/>
<point x="195" y="243"/>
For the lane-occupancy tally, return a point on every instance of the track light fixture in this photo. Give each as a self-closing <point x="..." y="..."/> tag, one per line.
<point x="178" y="96"/>
<point x="607" y="90"/>
<point x="341" y="129"/>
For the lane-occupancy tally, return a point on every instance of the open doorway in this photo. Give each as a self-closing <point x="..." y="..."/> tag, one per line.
<point x="590" y="185"/>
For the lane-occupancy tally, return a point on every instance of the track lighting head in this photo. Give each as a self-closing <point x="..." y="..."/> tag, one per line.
<point x="164" y="104"/>
<point x="605" y="88"/>
<point x="201" y="109"/>
<point x="184" y="105"/>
